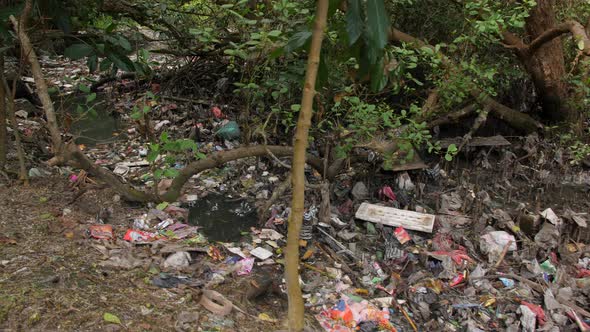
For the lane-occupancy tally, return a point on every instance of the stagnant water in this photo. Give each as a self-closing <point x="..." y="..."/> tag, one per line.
<point x="91" y="129"/>
<point x="221" y="218"/>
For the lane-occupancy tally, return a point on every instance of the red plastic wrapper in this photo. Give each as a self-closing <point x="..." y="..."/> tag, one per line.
<point x="457" y="280"/>
<point x="134" y="235"/>
<point x="401" y="235"/>
<point x="101" y="232"/>
<point x="458" y="256"/>
<point x="583" y="273"/>
<point x="387" y="192"/>
<point x="541" y="319"/>
<point x="217" y="113"/>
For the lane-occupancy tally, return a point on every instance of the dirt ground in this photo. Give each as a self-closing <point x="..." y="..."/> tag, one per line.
<point x="50" y="279"/>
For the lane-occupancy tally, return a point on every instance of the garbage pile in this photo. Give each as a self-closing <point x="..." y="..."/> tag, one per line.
<point x="384" y="261"/>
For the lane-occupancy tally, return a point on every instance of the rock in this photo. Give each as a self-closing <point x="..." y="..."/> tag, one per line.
<point x="360" y="191"/>
<point x="177" y="260"/>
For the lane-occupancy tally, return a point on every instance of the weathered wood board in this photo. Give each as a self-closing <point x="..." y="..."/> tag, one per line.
<point x="395" y="217"/>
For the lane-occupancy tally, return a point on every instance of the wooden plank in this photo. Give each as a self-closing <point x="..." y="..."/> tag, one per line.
<point x="395" y="217"/>
<point x="497" y="140"/>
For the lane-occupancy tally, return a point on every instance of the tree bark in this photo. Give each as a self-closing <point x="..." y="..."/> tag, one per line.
<point x="296" y="309"/>
<point x="40" y="84"/>
<point x="546" y="65"/>
<point x="3" y="134"/>
<point x="23" y="176"/>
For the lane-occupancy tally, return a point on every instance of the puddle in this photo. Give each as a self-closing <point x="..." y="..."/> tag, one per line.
<point x="90" y="130"/>
<point x="221" y="218"/>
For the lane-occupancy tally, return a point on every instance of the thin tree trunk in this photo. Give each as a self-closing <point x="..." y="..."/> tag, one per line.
<point x="23" y="176"/>
<point x="296" y="309"/>
<point x="3" y="135"/>
<point x="546" y="66"/>
<point x="31" y="56"/>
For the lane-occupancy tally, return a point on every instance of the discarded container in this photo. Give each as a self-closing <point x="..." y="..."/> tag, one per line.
<point x="229" y="131"/>
<point x="261" y="253"/>
<point x="395" y="217"/>
<point x="101" y="232"/>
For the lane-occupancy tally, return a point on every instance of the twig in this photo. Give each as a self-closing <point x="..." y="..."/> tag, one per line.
<point x="503" y="254"/>
<point x="311" y="267"/>
<point x="405" y="313"/>
<point x="187" y="100"/>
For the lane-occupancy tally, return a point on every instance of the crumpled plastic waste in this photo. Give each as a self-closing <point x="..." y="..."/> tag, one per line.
<point x="101" y="232"/>
<point x="348" y="315"/>
<point x="134" y="235"/>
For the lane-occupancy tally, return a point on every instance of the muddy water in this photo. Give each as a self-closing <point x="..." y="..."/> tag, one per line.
<point x="221" y="218"/>
<point x="91" y="129"/>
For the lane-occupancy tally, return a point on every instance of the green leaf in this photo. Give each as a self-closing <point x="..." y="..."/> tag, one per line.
<point x="84" y="88"/>
<point x="377" y="24"/>
<point x="200" y="155"/>
<point x="152" y="156"/>
<point x="124" y="43"/>
<point x="164" y="137"/>
<point x="274" y="33"/>
<point x="187" y="144"/>
<point x="92" y="63"/>
<point x="90" y="98"/>
<point x="78" y="51"/>
<point x="171" y="173"/>
<point x="162" y="206"/>
<point x="110" y="318"/>
<point x="354" y="21"/>
<point x="158" y="173"/>
<point x="581" y="45"/>
<point x="79" y="109"/>
<point x="120" y="61"/>
<point x="105" y="64"/>
<point x="297" y="41"/>
<point x="378" y="79"/>
<point x="136" y="115"/>
<point x="448" y="157"/>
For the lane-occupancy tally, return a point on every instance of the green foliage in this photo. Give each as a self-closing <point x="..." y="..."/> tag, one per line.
<point x="173" y="153"/>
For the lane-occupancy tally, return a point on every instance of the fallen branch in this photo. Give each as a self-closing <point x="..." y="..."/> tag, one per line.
<point x="105" y="80"/>
<point x="453" y="117"/>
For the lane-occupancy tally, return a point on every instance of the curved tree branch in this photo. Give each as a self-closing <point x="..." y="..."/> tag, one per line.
<point x="575" y="28"/>
<point x="516" y="119"/>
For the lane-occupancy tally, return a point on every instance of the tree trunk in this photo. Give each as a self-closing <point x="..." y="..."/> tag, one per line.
<point x="41" y="86"/>
<point x="3" y="135"/>
<point x="296" y="309"/>
<point x="546" y="66"/>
